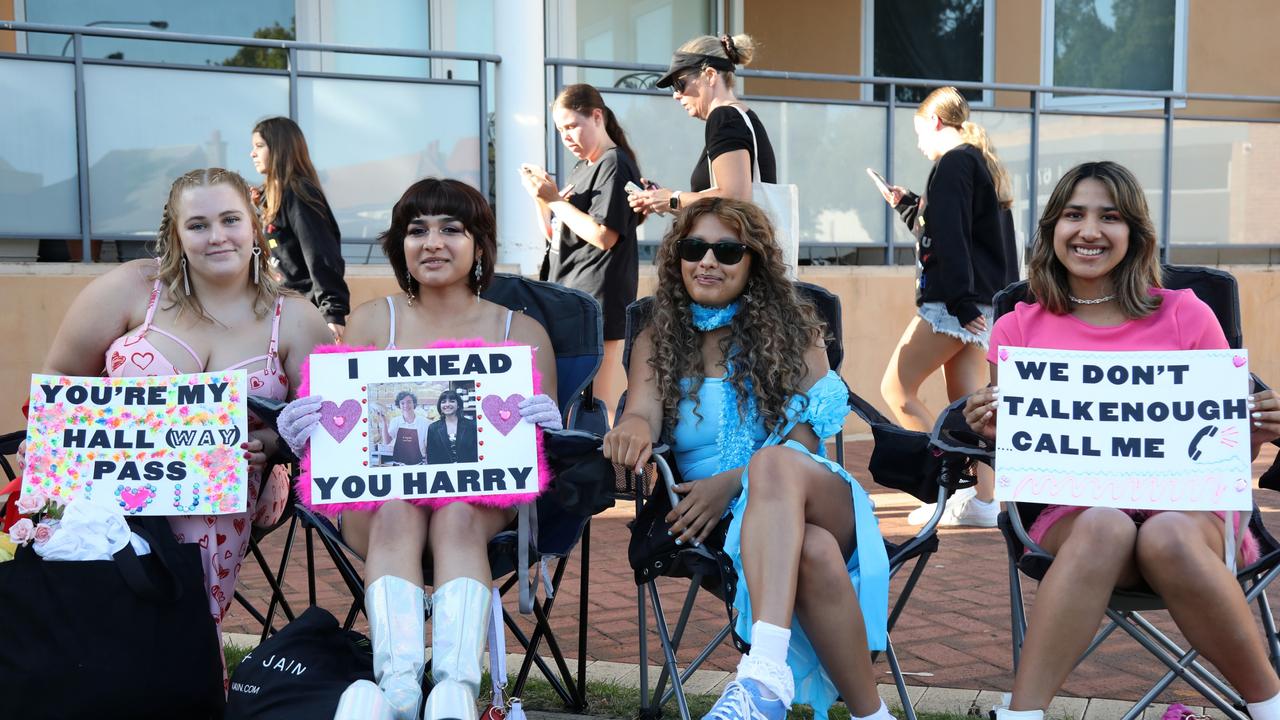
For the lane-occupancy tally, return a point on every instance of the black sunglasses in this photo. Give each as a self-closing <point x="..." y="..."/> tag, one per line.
<point x="726" y="252"/>
<point x="678" y="83"/>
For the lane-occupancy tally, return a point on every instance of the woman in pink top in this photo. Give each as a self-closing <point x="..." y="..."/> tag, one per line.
<point x="1095" y="274"/>
<point x="207" y="303"/>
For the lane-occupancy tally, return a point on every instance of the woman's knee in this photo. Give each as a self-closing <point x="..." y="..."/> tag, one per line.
<point x="461" y="523"/>
<point x="1102" y="532"/>
<point x="1167" y="541"/>
<point x="821" y="561"/>
<point x="395" y="522"/>
<point x="771" y="470"/>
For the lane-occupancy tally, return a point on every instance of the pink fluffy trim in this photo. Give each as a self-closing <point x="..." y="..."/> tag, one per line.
<point x="303" y="483"/>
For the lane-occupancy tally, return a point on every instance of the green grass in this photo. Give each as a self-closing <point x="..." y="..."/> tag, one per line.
<point x="615" y="701"/>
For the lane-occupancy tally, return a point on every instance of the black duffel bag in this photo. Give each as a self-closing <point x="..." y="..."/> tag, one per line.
<point x="300" y="672"/>
<point x="125" y="638"/>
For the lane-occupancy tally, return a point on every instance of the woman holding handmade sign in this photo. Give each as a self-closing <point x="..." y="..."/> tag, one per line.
<point x="1095" y="275"/>
<point x="208" y="301"/>
<point x="442" y="245"/>
<point x="733" y="369"/>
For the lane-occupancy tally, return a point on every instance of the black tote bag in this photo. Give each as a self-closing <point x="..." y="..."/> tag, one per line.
<point x="125" y="638"/>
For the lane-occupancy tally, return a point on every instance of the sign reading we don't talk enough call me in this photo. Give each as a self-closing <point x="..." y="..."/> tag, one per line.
<point x="1139" y="430"/>
<point x="162" y="445"/>
<point x="414" y="424"/>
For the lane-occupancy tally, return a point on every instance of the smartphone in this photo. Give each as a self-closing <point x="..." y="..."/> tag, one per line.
<point x="881" y="184"/>
<point x="632" y="187"/>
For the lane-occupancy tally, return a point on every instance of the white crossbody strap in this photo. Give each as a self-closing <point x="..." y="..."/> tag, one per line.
<point x="755" y="150"/>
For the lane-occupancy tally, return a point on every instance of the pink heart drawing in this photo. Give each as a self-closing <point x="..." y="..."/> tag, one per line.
<point x="1238" y="361"/>
<point x="503" y="414"/>
<point x="1004" y="354"/>
<point x="339" y="420"/>
<point x="134" y="500"/>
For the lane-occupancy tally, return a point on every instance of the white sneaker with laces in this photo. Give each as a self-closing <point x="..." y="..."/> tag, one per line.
<point x="969" y="511"/>
<point x="921" y="515"/>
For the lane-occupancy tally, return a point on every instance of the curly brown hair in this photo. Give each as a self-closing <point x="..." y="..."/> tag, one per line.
<point x="767" y="337"/>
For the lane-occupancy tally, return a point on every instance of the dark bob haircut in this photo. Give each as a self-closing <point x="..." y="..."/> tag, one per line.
<point x="442" y="196"/>
<point x="449" y="395"/>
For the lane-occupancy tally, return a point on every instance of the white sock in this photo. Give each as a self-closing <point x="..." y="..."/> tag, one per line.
<point x="880" y="714"/>
<point x="770" y="642"/>
<point x="1265" y="710"/>
<point x="1007" y="714"/>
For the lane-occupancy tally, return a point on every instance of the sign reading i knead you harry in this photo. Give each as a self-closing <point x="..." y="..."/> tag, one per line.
<point x="162" y="445"/>
<point x="1137" y="430"/>
<point x="423" y="424"/>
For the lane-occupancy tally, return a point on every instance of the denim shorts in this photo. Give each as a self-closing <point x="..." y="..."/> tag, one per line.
<point x="935" y="313"/>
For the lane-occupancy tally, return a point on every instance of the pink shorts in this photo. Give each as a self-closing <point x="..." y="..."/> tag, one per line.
<point x="1053" y="513"/>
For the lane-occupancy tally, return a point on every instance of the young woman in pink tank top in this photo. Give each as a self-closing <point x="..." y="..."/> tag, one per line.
<point x="207" y="303"/>
<point x="1095" y="275"/>
<point x="442" y="246"/>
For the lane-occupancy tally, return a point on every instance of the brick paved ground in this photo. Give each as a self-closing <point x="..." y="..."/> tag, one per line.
<point x="955" y="629"/>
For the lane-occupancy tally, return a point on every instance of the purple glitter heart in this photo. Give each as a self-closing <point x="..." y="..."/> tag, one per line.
<point x="339" y="420"/>
<point x="502" y="414"/>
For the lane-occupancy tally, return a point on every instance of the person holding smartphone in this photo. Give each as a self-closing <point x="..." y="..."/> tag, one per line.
<point x="701" y="79"/>
<point x="965" y="254"/>
<point x="589" y="226"/>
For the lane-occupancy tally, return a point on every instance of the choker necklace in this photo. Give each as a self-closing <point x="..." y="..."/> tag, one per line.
<point x="1094" y="301"/>
<point x="706" y="318"/>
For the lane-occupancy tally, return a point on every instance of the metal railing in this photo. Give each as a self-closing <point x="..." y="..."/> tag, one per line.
<point x="293" y="73"/>
<point x="1168" y="102"/>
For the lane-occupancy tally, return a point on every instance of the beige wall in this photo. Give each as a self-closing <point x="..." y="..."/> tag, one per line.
<point x="1231" y="48"/>
<point x="820" y="37"/>
<point x="877" y="304"/>
<point x="1017" y="49"/>
<point x="8" y="42"/>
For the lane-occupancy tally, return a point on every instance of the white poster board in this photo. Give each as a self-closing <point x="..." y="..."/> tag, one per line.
<point x="1138" y="430"/>
<point x="159" y="445"/>
<point x="383" y="432"/>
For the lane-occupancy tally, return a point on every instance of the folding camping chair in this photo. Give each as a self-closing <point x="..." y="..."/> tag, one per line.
<point x="572" y="320"/>
<point x="1218" y="290"/>
<point x="905" y="463"/>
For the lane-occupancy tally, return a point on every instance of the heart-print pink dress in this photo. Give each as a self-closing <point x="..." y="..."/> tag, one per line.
<point x="223" y="539"/>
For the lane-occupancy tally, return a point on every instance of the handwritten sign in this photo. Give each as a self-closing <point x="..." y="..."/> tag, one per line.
<point x="1137" y="430"/>
<point x="164" y="445"/>
<point x="441" y="423"/>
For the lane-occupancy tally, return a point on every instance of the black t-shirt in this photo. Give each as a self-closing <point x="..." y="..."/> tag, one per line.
<point x="307" y="247"/>
<point x="610" y="276"/>
<point x="727" y="132"/>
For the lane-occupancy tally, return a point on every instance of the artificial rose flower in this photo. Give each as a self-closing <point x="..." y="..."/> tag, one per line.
<point x="43" y="532"/>
<point x="22" y="531"/>
<point x="31" y="502"/>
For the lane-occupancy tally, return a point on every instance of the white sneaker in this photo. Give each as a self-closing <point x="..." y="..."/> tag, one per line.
<point x="921" y="515"/>
<point x="969" y="511"/>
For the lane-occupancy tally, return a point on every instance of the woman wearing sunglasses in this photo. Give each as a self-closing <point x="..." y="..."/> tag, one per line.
<point x="732" y="371"/>
<point x="701" y="78"/>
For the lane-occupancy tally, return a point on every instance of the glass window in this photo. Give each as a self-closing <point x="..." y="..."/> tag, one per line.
<point x="139" y="142"/>
<point x="237" y="18"/>
<point x="930" y="39"/>
<point x="633" y="31"/>
<point x="39" y="181"/>
<point x="1114" y="44"/>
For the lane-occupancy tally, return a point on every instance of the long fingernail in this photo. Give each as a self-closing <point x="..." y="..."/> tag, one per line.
<point x="679" y="541"/>
<point x="669" y="533"/>
<point x="1257" y="415"/>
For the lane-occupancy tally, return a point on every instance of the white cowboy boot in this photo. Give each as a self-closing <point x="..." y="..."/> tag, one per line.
<point x="362" y="700"/>
<point x="459" y="626"/>
<point x="397" y="629"/>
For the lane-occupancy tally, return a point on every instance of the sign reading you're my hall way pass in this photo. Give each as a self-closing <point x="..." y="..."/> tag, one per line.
<point x="440" y="423"/>
<point x="163" y="445"/>
<point x="1139" y="430"/>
